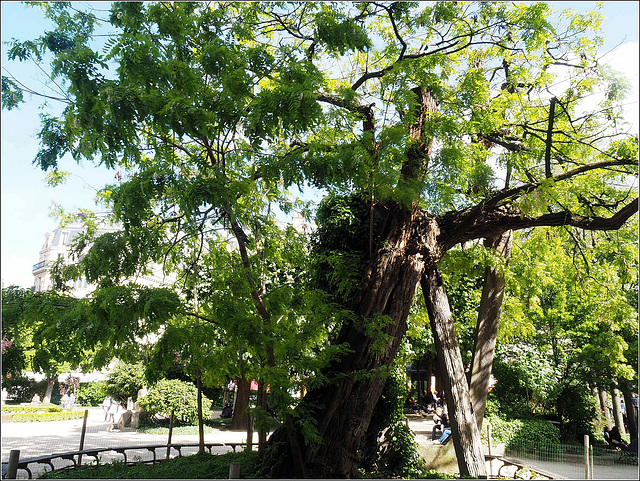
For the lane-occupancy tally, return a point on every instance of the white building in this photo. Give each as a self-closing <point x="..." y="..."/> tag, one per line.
<point x="58" y="246"/>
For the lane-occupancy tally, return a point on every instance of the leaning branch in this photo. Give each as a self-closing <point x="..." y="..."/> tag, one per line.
<point x="477" y="223"/>
<point x="510" y="194"/>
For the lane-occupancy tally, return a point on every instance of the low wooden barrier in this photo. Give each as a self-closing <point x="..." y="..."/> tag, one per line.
<point x="72" y="455"/>
<point x="519" y="465"/>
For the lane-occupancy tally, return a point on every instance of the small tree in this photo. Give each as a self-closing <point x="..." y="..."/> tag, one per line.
<point x="126" y="380"/>
<point x="180" y="397"/>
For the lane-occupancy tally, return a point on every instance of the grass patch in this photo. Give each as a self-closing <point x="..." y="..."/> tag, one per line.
<point x="43" y="417"/>
<point x="198" y="466"/>
<point x="45" y="408"/>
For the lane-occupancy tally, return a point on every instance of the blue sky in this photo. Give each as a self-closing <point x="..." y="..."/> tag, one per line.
<point x="26" y="199"/>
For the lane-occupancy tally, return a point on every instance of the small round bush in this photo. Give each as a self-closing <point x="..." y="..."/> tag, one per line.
<point x="92" y="393"/>
<point x="180" y="396"/>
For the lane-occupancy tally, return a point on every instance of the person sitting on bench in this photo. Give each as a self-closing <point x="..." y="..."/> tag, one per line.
<point x="441" y="421"/>
<point x="613" y="438"/>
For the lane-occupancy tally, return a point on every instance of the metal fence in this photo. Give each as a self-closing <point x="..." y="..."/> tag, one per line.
<point x="573" y="462"/>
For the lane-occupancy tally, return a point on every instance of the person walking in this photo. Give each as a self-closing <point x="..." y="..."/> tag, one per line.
<point x="106" y="404"/>
<point x="113" y="409"/>
<point x="64" y="401"/>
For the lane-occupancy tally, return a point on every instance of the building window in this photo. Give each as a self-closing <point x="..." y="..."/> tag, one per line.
<point x="65" y="238"/>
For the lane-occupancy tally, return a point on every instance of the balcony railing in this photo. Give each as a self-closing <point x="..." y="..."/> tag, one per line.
<point x="39" y="265"/>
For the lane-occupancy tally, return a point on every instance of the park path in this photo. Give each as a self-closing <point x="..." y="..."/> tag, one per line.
<point x="42" y="438"/>
<point x="37" y="439"/>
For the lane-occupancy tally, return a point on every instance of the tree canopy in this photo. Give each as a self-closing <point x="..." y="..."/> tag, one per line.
<point x="451" y="121"/>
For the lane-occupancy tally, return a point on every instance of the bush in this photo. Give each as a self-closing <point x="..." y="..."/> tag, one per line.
<point x="180" y="396"/>
<point x="32" y="409"/>
<point x="197" y="466"/>
<point x="22" y="389"/>
<point x="125" y="381"/>
<point x="577" y="406"/>
<point x="48" y="416"/>
<point x="519" y="432"/>
<point x="92" y="393"/>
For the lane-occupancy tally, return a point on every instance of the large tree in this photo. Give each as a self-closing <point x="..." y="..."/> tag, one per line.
<point x="418" y="108"/>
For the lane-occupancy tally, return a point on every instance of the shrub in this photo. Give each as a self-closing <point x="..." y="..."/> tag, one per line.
<point x="518" y="432"/>
<point x="92" y="393"/>
<point x="180" y="396"/>
<point x="48" y="416"/>
<point x="32" y="409"/>
<point x="126" y="380"/>
<point x="577" y="406"/>
<point x="22" y="389"/>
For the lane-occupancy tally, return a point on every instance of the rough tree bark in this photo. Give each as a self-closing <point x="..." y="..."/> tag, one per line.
<point x="342" y="409"/>
<point x="487" y="326"/>
<point x="605" y="407"/>
<point x="51" y="379"/>
<point x="632" y="420"/>
<point x="240" y="420"/>
<point x="617" y="411"/>
<point x="466" y="435"/>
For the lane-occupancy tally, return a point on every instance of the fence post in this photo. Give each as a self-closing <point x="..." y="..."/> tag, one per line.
<point x="12" y="465"/>
<point x="234" y="471"/>
<point x="170" y="433"/>
<point x="586" y="457"/>
<point x="84" y="430"/>
<point x="489" y="450"/>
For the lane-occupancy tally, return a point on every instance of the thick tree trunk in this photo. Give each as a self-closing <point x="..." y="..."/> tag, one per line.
<point x="487" y="326"/>
<point x="240" y="420"/>
<point x="466" y="435"/>
<point x="617" y="411"/>
<point x="342" y="409"/>
<point x="51" y="380"/>
<point x="605" y="407"/>
<point x="632" y="420"/>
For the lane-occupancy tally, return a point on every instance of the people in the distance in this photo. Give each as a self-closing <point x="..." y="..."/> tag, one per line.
<point x="106" y="404"/>
<point x="113" y="409"/>
<point x="35" y="400"/>
<point x="441" y="421"/>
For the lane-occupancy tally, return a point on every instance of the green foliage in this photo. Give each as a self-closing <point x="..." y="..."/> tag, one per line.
<point x="22" y="389"/>
<point x="92" y="393"/>
<point x="168" y="395"/>
<point x="523" y="431"/>
<point x="126" y="380"/>
<point x="237" y="112"/>
<point x="397" y="455"/>
<point x="341" y="245"/>
<point x="31" y="409"/>
<point x="198" y="466"/>
<point x="44" y="417"/>
<point x="12" y="95"/>
<point x="527" y="382"/>
<point x="577" y="408"/>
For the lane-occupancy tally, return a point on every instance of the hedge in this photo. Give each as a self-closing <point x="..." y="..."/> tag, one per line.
<point x="39" y="417"/>
<point x="31" y="409"/>
<point x="517" y="432"/>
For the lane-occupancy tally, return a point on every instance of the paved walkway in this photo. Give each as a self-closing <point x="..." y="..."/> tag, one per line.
<point x="37" y="439"/>
<point x="42" y="438"/>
